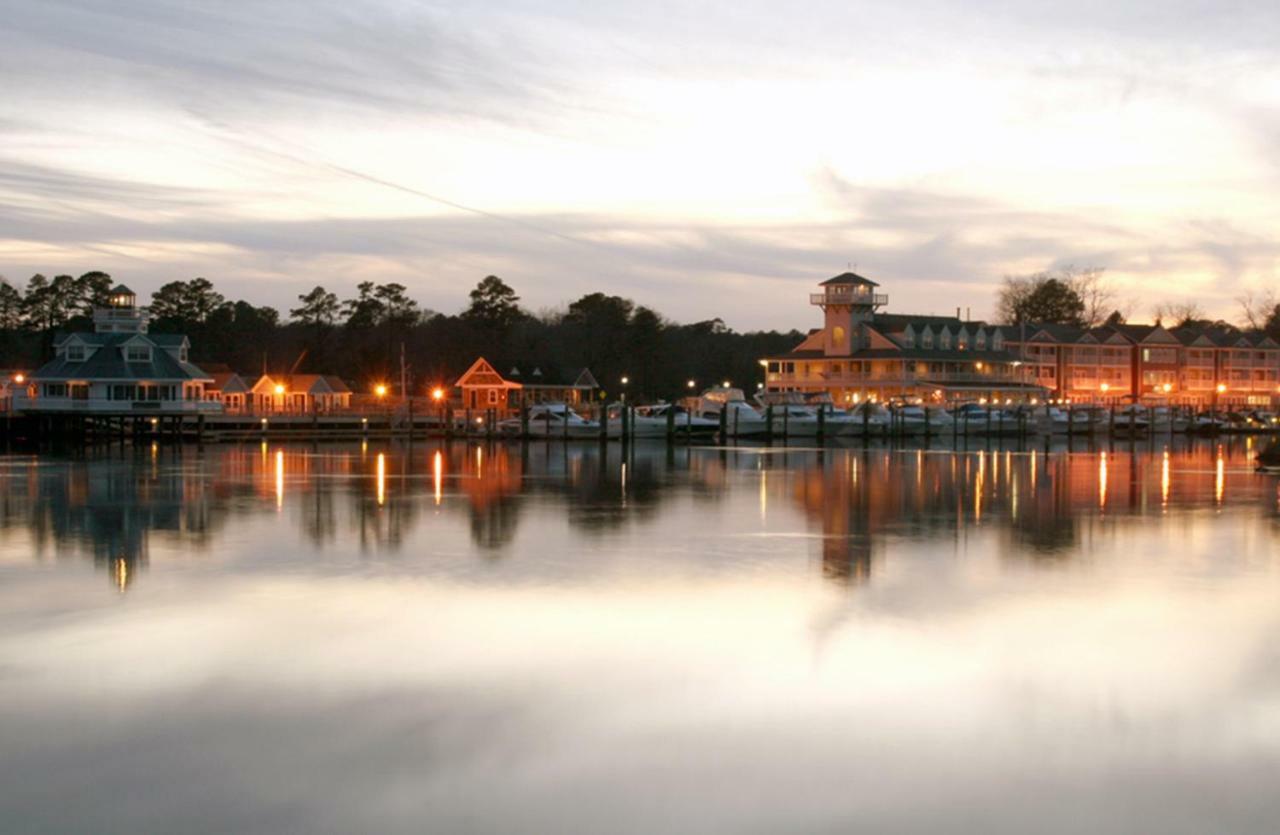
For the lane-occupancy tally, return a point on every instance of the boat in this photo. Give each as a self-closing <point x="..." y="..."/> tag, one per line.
<point x="1209" y="424"/>
<point x="652" y="422"/>
<point x="740" y="419"/>
<point x="1166" y="419"/>
<point x="980" y="419"/>
<point x="1056" y="421"/>
<point x="1131" y="420"/>
<point x="551" y="420"/>
<point x="1269" y="458"/>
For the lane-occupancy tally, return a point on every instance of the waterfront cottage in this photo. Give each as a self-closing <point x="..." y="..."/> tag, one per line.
<point x="483" y="387"/>
<point x="119" y="368"/>
<point x="298" y="394"/>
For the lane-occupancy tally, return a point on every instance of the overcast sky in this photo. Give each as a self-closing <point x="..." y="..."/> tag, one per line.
<point x="703" y="158"/>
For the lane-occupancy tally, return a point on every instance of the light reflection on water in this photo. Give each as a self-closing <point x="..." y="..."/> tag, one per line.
<point x="549" y="638"/>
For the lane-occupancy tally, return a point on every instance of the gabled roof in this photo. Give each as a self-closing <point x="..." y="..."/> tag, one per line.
<point x="108" y="362"/>
<point x="849" y="278"/>
<point x="227" y="381"/>
<point x="302" y="383"/>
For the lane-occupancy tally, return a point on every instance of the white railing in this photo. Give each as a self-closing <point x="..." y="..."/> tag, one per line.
<point x="876" y="299"/>
<point x="42" y="403"/>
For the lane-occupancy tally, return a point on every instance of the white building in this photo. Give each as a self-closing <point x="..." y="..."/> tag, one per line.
<point x="119" y="368"/>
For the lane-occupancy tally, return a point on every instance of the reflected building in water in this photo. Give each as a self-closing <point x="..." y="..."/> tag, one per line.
<point x="857" y="501"/>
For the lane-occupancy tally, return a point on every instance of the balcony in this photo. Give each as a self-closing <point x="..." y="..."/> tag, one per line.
<point x="849" y="297"/>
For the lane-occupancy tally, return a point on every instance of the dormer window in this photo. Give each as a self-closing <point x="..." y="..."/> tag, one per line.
<point x="980" y="340"/>
<point x="137" y="353"/>
<point x="75" y="353"/>
<point x="182" y="353"/>
<point x="926" y="339"/>
<point x="944" y="339"/>
<point x="909" y="338"/>
<point x="997" y="341"/>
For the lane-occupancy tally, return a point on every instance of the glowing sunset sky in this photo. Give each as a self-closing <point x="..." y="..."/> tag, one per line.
<point x="702" y="158"/>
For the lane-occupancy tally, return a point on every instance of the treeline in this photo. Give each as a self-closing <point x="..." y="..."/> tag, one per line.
<point x="1081" y="297"/>
<point x="360" y="338"/>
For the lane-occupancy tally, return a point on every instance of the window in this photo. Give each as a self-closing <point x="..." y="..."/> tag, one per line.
<point x="980" y="340"/>
<point x="908" y="338"/>
<point x="137" y="353"/>
<point x="926" y="339"/>
<point x="944" y="339"/>
<point x="493" y="397"/>
<point x="182" y="353"/>
<point x="75" y="353"/>
<point x="55" y="389"/>
<point x="997" y="341"/>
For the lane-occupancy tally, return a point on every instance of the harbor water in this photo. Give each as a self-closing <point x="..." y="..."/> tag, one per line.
<point x="548" y="637"/>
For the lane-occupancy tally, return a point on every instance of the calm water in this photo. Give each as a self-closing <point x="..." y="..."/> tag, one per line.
<point x="543" y="639"/>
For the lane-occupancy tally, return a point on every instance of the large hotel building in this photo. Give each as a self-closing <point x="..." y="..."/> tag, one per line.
<point x="863" y="353"/>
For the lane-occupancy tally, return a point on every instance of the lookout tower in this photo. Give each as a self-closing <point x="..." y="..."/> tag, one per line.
<point x="847" y="301"/>
<point x="122" y="314"/>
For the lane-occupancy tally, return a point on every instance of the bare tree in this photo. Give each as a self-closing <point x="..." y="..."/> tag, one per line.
<point x="1094" y="290"/>
<point x="1179" y="313"/>
<point x="1257" y="308"/>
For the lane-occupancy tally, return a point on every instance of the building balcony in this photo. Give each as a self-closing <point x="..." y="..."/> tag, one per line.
<point x="855" y="298"/>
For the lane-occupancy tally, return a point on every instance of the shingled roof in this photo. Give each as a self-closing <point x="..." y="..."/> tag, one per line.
<point x="108" y="361"/>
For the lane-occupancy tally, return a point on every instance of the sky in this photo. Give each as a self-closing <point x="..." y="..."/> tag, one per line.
<point x="703" y="158"/>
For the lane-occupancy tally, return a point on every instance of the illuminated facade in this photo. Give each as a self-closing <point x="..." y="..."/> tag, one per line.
<point x="119" y="368"/>
<point x="861" y="353"/>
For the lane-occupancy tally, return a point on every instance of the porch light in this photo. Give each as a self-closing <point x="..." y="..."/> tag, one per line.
<point x="1167" y="387"/>
<point x="380" y="390"/>
<point x="1106" y="387"/>
<point x="19" y="378"/>
<point x="279" y="389"/>
<point x="437" y="394"/>
<point x="1222" y="388"/>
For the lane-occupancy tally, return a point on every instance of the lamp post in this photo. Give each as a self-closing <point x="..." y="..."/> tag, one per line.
<point x="625" y="380"/>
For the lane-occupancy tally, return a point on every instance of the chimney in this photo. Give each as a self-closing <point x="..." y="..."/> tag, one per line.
<point x="957" y="312"/>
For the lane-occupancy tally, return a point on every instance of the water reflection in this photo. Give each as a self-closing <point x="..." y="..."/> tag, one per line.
<point x="109" y="506"/>
<point x="550" y="638"/>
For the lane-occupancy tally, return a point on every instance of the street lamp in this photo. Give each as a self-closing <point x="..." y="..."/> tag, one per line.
<point x="625" y="380"/>
<point x="725" y="384"/>
<point x="380" y="390"/>
<point x="689" y="384"/>
<point x="437" y="394"/>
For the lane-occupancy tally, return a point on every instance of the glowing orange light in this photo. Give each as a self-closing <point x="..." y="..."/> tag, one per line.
<point x="437" y="475"/>
<point x="380" y="390"/>
<point x="279" y="389"/>
<point x="437" y="394"/>
<point x="382" y="478"/>
<point x="1222" y="388"/>
<point x="19" y="378"/>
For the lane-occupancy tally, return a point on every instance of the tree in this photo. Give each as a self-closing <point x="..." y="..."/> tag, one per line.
<point x="1257" y="308"/>
<point x="494" y="305"/>
<point x="10" y="306"/>
<point x="185" y="303"/>
<point x="319" y="308"/>
<point x="1094" y="291"/>
<point x="91" y="290"/>
<point x="397" y="308"/>
<point x="1180" y="313"/>
<point x="43" y="305"/>
<point x="1041" y="297"/>
<point x="366" y="310"/>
